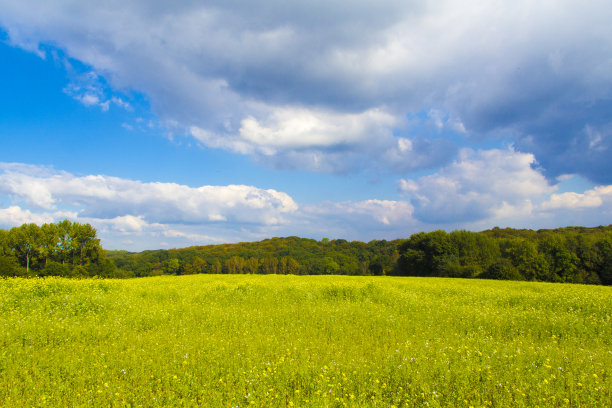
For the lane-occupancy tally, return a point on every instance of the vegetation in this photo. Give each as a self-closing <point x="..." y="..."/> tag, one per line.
<point x="573" y="254"/>
<point x="307" y="341"/>
<point x="63" y="249"/>
<point x="292" y="255"/>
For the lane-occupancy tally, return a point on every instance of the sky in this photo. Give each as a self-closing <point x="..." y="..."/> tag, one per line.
<point x="172" y="124"/>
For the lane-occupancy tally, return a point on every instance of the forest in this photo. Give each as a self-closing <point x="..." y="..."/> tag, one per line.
<point x="571" y="254"/>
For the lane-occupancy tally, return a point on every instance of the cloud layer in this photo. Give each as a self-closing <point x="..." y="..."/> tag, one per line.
<point x="111" y="197"/>
<point x="480" y="190"/>
<point x="329" y="86"/>
<point x="129" y="212"/>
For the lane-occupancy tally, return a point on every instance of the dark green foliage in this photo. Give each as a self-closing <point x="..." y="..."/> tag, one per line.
<point x="503" y="270"/>
<point x="62" y="249"/>
<point x="572" y="254"/>
<point x="523" y="255"/>
<point x="426" y="254"/>
<point x="285" y="256"/>
<point x="10" y="267"/>
<point x="603" y="262"/>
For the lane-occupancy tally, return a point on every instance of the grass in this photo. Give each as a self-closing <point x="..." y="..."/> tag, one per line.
<point x="279" y="341"/>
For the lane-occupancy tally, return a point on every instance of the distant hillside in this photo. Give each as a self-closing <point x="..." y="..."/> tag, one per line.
<point x="276" y="255"/>
<point x="571" y="254"/>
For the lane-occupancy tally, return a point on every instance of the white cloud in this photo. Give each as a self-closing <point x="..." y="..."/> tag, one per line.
<point x="380" y="212"/>
<point x="128" y="223"/>
<point x="300" y="128"/>
<point x="166" y="214"/>
<point x="14" y="216"/>
<point x="310" y="138"/>
<point x="576" y="201"/>
<point x="130" y="202"/>
<point x="481" y="190"/>
<point x="488" y="188"/>
<point x="362" y="220"/>
<point x="477" y="186"/>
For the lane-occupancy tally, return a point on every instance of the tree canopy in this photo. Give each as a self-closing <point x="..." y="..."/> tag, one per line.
<point x="63" y="249"/>
<point x="572" y="254"/>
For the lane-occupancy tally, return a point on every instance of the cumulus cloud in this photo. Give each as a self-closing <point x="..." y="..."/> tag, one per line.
<point x="299" y="128"/>
<point x="296" y="82"/>
<point x="593" y="198"/>
<point x="14" y="216"/>
<point x="319" y="140"/>
<point x="151" y="213"/>
<point x="130" y="202"/>
<point x="479" y="185"/>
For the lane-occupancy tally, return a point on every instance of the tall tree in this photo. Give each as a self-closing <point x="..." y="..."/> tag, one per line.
<point x="65" y="247"/>
<point x="49" y="240"/>
<point x="26" y="242"/>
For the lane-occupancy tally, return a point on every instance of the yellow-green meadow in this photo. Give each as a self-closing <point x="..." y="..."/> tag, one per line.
<point x="278" y="341"/>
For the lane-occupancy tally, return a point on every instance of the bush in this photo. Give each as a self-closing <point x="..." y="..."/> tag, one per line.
<point x="10" y="267"/>
<point x="55" y="269"/>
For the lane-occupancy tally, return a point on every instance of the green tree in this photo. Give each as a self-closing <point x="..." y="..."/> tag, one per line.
<point x="198" y="266"/>
<point x="65" y="247"/>
<point x="216" y="267"/>
<point x="26" y="242"/>
<point x="171" y="266"/>
<point x="604" y="260"/>
<point x="269" y="266"/>
<point x="425" y="254"/>
<point x="330" y="266"/>
<point x="563" y="263"/>
<point x="251" y="265"/>
<point x="293" y="266"/>
<point x="234" y="265"/>
<point x="502" y="269"/>
<point x="524" y="256"/>
<point x="381" y="265"/>
<point x="85" y="244"/>
<point x="473" y="251"/>
<point x="5" y="244"/>
<point x="49" y="240"/>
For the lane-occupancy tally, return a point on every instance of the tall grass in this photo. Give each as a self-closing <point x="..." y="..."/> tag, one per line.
<point x="266" y="341"/>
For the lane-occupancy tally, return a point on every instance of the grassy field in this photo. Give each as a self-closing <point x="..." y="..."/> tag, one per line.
<point x="268" y="341"/>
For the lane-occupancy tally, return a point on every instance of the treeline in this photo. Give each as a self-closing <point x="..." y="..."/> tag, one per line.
<point x="63" y="249"/>
<point x="291" y="255"/>
<point x="573" y="254"/>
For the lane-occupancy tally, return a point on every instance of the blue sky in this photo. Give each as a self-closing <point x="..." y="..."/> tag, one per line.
<point x="168" y="126"/>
